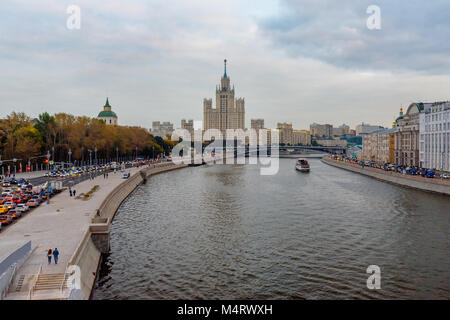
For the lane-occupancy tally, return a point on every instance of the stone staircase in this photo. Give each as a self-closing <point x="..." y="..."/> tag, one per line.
<point x="50" y="286"/>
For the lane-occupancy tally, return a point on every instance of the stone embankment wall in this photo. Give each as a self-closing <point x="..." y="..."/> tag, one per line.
<point x="96" y="239"/>
<point x="418" y="183"/>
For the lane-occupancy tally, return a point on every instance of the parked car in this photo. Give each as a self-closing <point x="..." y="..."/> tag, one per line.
<point x="14" y="213"/>
<point x="3" y="209"/>
<point x="10" y="205"/>
<point x="32" y="203"/>
<point x="22" y="207"/>
<point x="5" y="219"/>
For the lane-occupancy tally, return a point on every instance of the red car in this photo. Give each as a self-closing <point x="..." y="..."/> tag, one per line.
<point x="5" y="219"/>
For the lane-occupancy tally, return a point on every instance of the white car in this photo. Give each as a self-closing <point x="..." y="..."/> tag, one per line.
<point x="22" y="207"/>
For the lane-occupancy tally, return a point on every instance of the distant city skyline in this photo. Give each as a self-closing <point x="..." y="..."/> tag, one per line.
<point x="299" y="62"/>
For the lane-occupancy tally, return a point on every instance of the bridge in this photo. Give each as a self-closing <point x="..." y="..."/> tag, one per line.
<point x="333" y="150"/>
<point x="312" y="151"/>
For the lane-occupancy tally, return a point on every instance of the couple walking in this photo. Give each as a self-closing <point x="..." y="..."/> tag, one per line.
<point x="54" y="253"/>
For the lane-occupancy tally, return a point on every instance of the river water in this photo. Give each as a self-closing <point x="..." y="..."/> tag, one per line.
<point x="226" y="232"/>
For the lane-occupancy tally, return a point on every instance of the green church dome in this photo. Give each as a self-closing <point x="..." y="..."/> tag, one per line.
<point x="107" y="114"/>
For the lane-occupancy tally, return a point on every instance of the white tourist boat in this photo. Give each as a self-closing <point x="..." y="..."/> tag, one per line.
<point x="302" y="165"/>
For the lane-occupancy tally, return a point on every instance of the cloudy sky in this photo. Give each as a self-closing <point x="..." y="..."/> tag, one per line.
<point x="299" y="61"/>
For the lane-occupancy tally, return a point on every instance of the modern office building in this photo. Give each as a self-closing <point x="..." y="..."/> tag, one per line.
<point x="434" y="137"/>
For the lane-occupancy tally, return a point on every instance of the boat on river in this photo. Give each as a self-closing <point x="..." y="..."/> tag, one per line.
<point x="302" y="165"/>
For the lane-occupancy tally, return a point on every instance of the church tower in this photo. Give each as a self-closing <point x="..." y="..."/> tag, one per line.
<point x="108" y="116"/>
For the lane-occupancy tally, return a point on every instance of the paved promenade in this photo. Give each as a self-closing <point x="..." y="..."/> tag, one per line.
<point x="60" y="224"/>
<point x="417" y="182"/>
<point x="394" y="174"/>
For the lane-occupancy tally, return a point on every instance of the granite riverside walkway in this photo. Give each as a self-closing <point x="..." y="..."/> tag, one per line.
<point x="61" y="224"/>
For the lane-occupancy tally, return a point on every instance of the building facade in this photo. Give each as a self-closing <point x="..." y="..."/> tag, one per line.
<point x="321" y="130"/>
<point x="379" y="146"/>
<point x="434" y="137"/>
<point x="108" y="116"/>
<point x="301" y="137"/>
<point x="407" y="134"/>
<point x="331" y="142"/>
<point x="229" y="112"/>
<point x="341" y="130"/>
<point x="286" y="131"/>
<point x="257" y="124"/>
<point x="189" y="126"/>
<point x="162" y="129"/>
<point x="362" y="129"/>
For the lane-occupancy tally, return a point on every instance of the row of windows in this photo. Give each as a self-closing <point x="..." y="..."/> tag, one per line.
<point x="437" y="117"/>
<point x="437" y="127"/>
<point x="436" y="142"/>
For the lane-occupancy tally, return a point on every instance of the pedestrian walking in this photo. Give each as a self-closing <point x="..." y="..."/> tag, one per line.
<point x="56" y="255"/>
<point x="49" y="256"/>
<point x="70" y="192"/>
<point x="74" y="192"/>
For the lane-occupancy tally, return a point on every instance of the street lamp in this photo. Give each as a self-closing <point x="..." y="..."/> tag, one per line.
<point x="90" y="157"/>
<point x="53" y="154"/>
<point x="117" y="154"/>
<point x="70" y="156"/>
<point x="95" y="150"/>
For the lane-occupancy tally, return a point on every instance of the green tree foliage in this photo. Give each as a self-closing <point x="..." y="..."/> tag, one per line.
<point x="22" y="137"/>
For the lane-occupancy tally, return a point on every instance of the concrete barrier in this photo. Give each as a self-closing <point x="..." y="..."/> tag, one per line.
<point x="425" y="185"/>
<point x="95" y="241"/>
<point x="10" y="264"/>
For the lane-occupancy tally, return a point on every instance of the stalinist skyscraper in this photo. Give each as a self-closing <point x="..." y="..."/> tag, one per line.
<point x="228" y="113"/>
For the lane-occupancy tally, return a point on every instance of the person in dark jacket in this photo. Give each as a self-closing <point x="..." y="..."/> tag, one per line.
<point x="56" y="255"/>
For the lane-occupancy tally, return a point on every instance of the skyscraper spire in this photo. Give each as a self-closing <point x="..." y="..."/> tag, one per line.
<point x="225" y="68"/>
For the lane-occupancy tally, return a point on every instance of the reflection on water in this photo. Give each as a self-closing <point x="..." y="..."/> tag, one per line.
<point x="225" y="232"/>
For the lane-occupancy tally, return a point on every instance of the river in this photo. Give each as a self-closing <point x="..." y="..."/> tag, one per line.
<point x="226" y="232"/>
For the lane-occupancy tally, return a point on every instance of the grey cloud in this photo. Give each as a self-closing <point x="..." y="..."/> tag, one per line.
<point x="414" y="34"/>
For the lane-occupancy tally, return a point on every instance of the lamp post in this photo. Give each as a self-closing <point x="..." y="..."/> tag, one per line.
<point x="95" y="150"/>
<point x="53" y="154"/>
<point x="90" y="157"/>
<point x="70" y="156"/>
<point x="117" y="154"/>
<point x="48" y="177"/>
